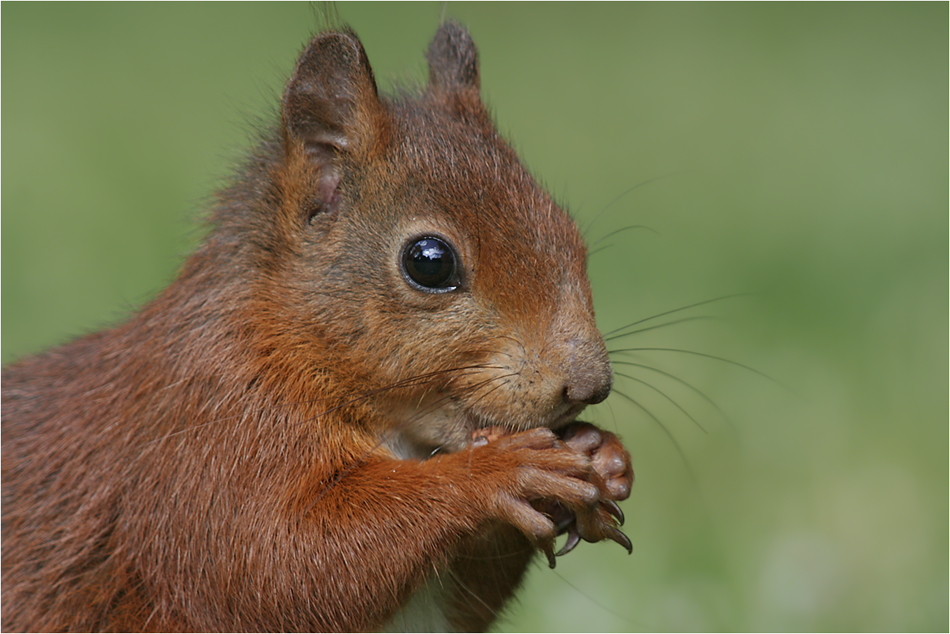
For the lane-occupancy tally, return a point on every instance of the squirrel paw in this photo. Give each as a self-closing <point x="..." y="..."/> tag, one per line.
<point x="547" y="469"/>
<point x="609" y="457"/>
<point x="613" y="475"/>
<point x="571" y="485"/>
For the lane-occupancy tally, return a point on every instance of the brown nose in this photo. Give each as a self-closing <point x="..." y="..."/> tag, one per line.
<point x="589" y="377"/>
<point x="588" y="391"/>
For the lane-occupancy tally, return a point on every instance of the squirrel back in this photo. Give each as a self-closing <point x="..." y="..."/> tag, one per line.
<point x="348" y="392"/>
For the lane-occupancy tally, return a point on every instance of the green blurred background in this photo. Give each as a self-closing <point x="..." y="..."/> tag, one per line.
<point x="795" y="151"/>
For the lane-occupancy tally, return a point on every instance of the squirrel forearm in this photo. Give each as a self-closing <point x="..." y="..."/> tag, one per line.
<point x="354" y="548"/>
<point x="402" y="520"/>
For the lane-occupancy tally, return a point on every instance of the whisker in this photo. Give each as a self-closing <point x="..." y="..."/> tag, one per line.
<point x="615" y="426"/>
<point x="413" y="381"/>
<point x="417" y="380"/>
<point x="383" y="440"/>
<point x="620" y="335"/>
<point x="390" y="433"/>
<point x="410" y="382"/>
<point x="675" y="443"/>
<point x="516" y="340"/>
<point x="692" y="387"/>
<point x="592" y="252"/>
<point x="469" y="389"/>
<point x="622" y="229"/>
<point x="676" y="310"/>
<point x="666" y="396"/>
<point x="520" y="343"/>
<point x="486" y="394"/>
<point x="448" y="397"/>
<point x="702" y="354"/>
<point x="623" y="194"/>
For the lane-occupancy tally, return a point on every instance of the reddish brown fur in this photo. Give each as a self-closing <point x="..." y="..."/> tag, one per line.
<point x="246" y="452"/>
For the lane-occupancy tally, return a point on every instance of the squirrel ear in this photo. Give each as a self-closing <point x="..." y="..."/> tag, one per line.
<point x="331" y="103"/>
<point x="453" y="60"/>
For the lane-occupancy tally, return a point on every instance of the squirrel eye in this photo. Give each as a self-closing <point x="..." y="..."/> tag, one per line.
<point x="431" y="265"/>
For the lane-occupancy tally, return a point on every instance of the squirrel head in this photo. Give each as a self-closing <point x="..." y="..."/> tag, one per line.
<point x="407" y="259"/>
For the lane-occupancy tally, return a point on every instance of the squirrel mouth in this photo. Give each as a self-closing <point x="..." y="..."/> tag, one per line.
<point x="563" y="416"/>
<point x="482" y="434"/>
<point x="447" y="430"/>
<point x="573" y="411"/>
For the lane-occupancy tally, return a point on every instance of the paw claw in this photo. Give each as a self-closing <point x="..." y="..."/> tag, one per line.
<point x="618" y="536"/>
<point x="573" y="539"/>
<point x="614" y="509"/>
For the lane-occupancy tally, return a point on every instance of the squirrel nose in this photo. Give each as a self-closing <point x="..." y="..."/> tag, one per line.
<point x="588" y="380"/>
<point x="589" y="392"/>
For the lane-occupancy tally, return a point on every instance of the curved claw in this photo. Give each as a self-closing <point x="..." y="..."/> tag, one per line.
<point x="573" y="539"/>
<point x="549" y="553"/>
<point x="618" y="536"/>
<point x="614" y="509"/>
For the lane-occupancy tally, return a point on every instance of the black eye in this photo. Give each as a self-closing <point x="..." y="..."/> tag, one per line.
<point x="431" y="265"/>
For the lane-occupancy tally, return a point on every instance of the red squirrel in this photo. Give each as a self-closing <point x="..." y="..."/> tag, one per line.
<point x="354" y="409"/>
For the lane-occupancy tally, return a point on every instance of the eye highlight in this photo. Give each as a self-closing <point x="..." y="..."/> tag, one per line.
<point x="430" y="264"/>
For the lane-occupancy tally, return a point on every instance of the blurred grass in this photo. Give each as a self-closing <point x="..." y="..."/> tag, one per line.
<point x="798" y="151"/>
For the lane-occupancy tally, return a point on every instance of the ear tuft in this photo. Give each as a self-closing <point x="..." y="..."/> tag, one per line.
<point x="331" y="102"/>
<point x="453" y="60"/>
